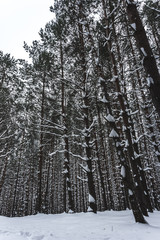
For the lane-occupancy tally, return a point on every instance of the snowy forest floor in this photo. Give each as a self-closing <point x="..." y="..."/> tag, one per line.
<point x="109" y="225"/>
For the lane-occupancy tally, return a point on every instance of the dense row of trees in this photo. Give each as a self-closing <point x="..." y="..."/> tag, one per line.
<point x="80" y="128"/>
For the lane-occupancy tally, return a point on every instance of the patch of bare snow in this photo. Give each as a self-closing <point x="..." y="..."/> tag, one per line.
<point x="109" y="225"/>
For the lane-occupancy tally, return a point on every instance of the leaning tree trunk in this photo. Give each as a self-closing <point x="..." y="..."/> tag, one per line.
<point x="149" y="62"/>
<point x="125" y="168"/>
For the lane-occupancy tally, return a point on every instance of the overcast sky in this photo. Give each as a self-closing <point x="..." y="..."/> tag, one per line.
<point x="21" y="20"/>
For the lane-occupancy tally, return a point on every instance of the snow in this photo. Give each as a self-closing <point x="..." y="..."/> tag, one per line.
<point x="123" y="172"/>
<point x="126" y="144"/>
<point x="130" y="192"/>
<point x="133" y="25"/>
<point x="89" y="209"/>
<point x="137" y="155"/>
<point x="82" y="179"/>
<point x="110" y="118"/>
<point x="91" y="199"/>
<point x="124" y="128"/>
<point x="101" y="79"/>
<point x="149" y="81"/>
<point x="113" y="134"/>
<point x="157" y="153"/>
<point x="109" y="225"/>
<point x="114" y="78"/>
<point x="68" y="179"/>
<point x="85" y="167"/>
<point x="143" y="51"/>
<point x="65" y="171"/>
<point x="104" y="100"/>
<point x="70" y="211"/>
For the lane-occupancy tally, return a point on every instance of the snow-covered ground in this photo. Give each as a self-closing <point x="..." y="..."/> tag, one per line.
<point x="107" y="225"/>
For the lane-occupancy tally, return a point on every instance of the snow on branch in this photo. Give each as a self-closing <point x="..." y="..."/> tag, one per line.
<point x="85" y="168"/>
<point x="147" y="169"/>
<point x="78" y="156"/>
<point x="154" y="9"/>
<point x="55" y="152"/>
<point x="7" y="137"/>
<point x="137" y="155"/>
<point x="6" y="154"/>
<point x="149" y="81"/>
<point x="133" y="113"/>
<point x="128" y="2"/>
<point x="104" y="100"/>
<point x="137" y="140"/>
<point x="82" y="179"/>
<point x="87" y="131"/>
<point x="65" y="171"/>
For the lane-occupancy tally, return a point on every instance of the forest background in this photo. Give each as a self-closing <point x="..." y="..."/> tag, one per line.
<point x="80" y="128"/>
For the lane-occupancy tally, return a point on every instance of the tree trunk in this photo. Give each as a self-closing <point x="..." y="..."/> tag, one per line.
<point x="91" y="187"/>
<point x="67" y="180"/>
<point x="41" y="157"/>
<point x="149" y="62"/>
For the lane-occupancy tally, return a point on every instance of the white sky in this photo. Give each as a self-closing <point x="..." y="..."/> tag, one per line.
<point x="21" y="20"/>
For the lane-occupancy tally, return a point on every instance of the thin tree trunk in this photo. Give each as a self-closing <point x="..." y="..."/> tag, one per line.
<point x="91" y="187"/>
<point x="40" y="165"/>
<point x="3" y="175"/>
<point x="67" y="180"/>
